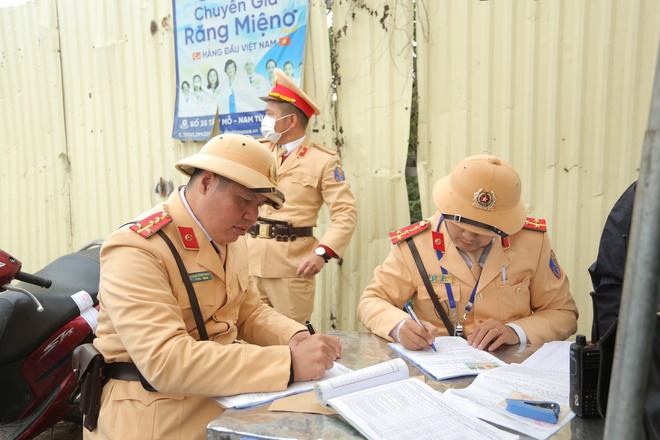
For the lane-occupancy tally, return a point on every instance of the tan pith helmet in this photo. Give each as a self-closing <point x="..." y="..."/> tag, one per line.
<point x="239" y="158"/>
<point x="483" y="195"/>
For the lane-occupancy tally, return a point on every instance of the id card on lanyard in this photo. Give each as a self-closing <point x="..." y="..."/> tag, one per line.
<point x="458" y="323"/>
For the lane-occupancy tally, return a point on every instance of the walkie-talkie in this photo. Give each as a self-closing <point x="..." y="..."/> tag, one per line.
<point x="585" y="361"/>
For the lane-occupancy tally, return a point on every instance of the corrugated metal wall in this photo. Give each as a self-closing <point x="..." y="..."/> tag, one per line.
<point x="559" y="88"/>
<point x="374" y="76"/>
<point x="34" y="168"/>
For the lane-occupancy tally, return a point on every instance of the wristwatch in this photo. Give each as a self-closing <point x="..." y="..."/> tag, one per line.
<point x="320" y="251"/>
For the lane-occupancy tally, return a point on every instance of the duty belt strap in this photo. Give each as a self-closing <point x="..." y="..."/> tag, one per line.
<point x="425" y="277"/>
<point x="194" y="304"/>
<point x="122" y="371"/>
<point x="280" y="232"/>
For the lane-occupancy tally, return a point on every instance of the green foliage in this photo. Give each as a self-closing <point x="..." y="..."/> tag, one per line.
<point x="412" y="183"/>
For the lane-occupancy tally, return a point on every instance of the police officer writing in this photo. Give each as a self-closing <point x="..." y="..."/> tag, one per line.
<point x="283" y="253"/>
<point x="478" y="268"/>
<point x="175" y="296"/>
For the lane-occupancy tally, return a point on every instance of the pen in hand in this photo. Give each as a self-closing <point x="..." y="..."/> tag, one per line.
<point x="310" y="327"/>
<point x="412" y="314"/>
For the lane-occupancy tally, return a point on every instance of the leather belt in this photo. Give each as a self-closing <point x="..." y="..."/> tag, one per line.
<point x="122" y="371"/>
<point x="126" y="371"/>
<point x="279" y="232"/>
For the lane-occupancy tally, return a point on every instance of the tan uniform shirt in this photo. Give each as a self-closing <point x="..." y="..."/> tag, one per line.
<point x="145" y="318"/>
<point x="533" y="295"/>
<point x="309" y="177"/>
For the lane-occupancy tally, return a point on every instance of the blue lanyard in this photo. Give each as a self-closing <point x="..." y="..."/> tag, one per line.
<point x="450" y="294"/>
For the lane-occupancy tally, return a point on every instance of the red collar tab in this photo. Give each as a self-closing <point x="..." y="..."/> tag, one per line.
<point x="438" y="241"/>
<point x="152" y="224"/>
<point x="188" y="238"/>
<point x="536" y="224"/>
<point x="409" y="231"/>
<point x="286" y="94"/>
<point x="303" y="151"/>
<point x="505" y="243"/>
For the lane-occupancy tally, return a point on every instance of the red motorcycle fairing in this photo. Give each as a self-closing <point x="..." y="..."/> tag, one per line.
<point x="37" y="384"/>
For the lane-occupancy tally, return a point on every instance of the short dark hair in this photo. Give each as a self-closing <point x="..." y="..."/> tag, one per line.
<point x="223" y="181"/>
<point x="288" y="108"/>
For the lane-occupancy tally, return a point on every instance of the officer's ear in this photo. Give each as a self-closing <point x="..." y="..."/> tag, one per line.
<point x="294" y="120"/>
<point x="205" y="181"/>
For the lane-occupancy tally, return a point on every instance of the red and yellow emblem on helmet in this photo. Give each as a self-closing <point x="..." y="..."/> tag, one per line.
<point x="484" y="200"/>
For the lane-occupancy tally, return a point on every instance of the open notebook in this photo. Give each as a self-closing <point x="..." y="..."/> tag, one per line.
<point x="382" y="402"/>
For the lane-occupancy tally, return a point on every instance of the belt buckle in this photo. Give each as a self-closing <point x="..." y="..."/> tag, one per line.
<point x="264" y="230"/>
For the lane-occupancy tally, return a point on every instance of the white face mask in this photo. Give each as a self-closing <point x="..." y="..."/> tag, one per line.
<point x="268" y="128"/>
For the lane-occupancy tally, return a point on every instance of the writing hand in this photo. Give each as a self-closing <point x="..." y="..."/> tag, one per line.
<point x="313" y="356"/>
<point x="492" y="334"/>
<point x="415" y="337"/>
<point x="298" y="338"/>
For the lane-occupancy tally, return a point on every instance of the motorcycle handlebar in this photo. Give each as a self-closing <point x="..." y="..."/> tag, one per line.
<point x="33" y="279"/>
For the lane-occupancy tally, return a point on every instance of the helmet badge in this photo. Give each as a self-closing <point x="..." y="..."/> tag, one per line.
<point x="484" y="200"/>
<point x="272" y="175"/>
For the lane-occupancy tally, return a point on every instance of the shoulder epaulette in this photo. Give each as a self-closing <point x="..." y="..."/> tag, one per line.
<point x="536" y="224"/>
<point x="148" y="226"/>
<point x="324" y="148"/>
<point x="409" y="231"/>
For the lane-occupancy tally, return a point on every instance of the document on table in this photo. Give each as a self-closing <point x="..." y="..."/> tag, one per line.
<point x="455" y="358"/>
<point x="486" y="397"/>
<point x="248" y="400"/>
<point x="383" y="403"/>
<point x="554" y="355"/>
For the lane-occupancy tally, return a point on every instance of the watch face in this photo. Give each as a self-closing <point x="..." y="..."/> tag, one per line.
<point x="320" y="251"/>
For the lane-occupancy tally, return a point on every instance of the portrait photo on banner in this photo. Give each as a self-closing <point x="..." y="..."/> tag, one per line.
<point x="226" y="55"/>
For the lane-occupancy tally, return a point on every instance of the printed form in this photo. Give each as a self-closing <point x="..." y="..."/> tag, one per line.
<point x="486" y="397"/>
<point x="455" y="358"/>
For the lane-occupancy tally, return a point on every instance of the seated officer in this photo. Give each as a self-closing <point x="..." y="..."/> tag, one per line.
<point x="489" y="272"/>
<point x="167" y="348"/>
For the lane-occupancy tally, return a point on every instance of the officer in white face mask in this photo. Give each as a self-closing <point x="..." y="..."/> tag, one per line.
<point x="284" y="255"/>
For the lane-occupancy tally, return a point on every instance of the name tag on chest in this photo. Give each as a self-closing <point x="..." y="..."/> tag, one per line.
<point x="196" y="277"/>
<point x="440" y="278"/>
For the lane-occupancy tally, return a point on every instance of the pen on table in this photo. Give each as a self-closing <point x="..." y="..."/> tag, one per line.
<point x="412" y="314"/>
<point x="503" y="274"/>
<point x="310" y="327"/>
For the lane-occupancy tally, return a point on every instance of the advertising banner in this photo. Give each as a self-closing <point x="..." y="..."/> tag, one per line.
<point x="226" y="51"/>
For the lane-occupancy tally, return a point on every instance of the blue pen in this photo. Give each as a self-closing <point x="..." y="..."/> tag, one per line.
<point x="412" y="314"/>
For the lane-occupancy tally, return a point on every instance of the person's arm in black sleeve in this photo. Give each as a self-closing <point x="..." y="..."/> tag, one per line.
<point x="608" y="270"/>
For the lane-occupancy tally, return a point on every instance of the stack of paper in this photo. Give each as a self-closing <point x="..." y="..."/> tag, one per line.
<point x="248" y="400"/>
<point x="384" y="404"/>
<point x="454" y="358"/>
<point x="486" y="397"/>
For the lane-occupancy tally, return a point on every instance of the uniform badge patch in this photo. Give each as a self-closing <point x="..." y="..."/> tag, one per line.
<point x="339" y="174"/>
<point x="554" y="265"/>
<point x="438" y="241"/>
<point x="152" y="224"/>
<point x="188" y="237"/>
<point x="536" y="224"/>
<point x="409" y="231"/>
<point x="196" y="277"/>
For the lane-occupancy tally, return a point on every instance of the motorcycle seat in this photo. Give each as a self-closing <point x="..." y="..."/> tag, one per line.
<point x="22" y="328"/>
